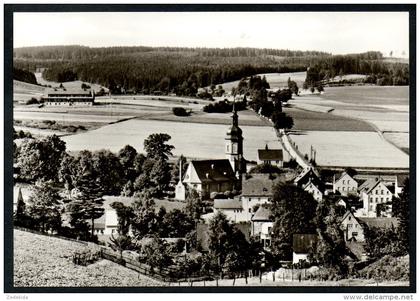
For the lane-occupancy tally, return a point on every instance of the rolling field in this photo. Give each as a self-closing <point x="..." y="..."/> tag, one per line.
<point x="194" y="140"/>
<point x="42" y="261"/>
<point x="356" y="149"/>
<point x="69" y="85"/>
<point x="386" y="109"/>
<point x="368" y="95"/>
<point x="316" y="121"/>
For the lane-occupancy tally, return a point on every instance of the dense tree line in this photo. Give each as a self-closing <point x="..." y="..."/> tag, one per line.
<point x="24" y="76"/>
<point x="371" y="64"/>
<point x="72" y="52"/>
<point x="224" y="106"/>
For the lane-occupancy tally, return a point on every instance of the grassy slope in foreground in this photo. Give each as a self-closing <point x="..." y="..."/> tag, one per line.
<point x="42" y="261"/>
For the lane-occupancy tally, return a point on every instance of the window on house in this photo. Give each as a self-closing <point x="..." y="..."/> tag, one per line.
<point x="354" y="234"/>
<point x="387" y="199"/>
<point x="382" y="192"/>
<point x="356" y="225"/>
<point x="348" y="181"/>
<point x="382" y="199"/>
<point x="249" y="210"/>
<point x="350" y="225"/>
<point x="371" y="207"/>
<point x="344" y="181"/>
<point x="376" y="191"/>
<point x="387" y="192"/>
<point x="349" y="218"/>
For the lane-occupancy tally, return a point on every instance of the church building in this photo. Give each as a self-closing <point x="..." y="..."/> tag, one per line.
<point x="221" y="175"/>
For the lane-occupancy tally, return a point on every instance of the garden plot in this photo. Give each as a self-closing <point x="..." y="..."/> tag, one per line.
<point x="354" y="149"/>
<point x="194" y="140"/>
<point x="42" y="261"/>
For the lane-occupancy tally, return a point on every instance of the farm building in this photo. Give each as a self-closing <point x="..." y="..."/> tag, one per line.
<point x="68" y="97"/>
<point x="270" y="156"/>
<point x="207" y="176"/>
<point x="302" y="245"/>
<point x="345" y="184"/>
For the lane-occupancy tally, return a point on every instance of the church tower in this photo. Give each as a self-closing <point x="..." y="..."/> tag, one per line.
<point x="234" y="145"/>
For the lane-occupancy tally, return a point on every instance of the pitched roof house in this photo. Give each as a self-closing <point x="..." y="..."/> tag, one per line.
<point x="308" y="174"/>
<point x="270" y="156"/>
<point x="353" y="227"/>
<point x="207" y="176"/>
<point x="374" y="192"/>
<point x="345" y="184"/>
<point x="257" y="189"/>
<point x="313" y="189"/>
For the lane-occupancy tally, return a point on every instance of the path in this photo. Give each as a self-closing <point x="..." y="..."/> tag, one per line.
<point x="293" y="152"/>
<point x="287" y="144"/>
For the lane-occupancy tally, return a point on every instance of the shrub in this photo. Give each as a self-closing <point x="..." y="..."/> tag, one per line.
<point x="180" y="111"/>
<point x="32" y="101"/>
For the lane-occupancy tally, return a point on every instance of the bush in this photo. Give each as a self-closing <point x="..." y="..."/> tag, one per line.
<point x="32" y="101"/>
<point x="387" y="268"/>
<point x="180" y="111"/>
<point x="265" y="168"/>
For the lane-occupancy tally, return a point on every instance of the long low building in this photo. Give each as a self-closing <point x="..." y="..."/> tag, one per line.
<point x="68" y="97"/>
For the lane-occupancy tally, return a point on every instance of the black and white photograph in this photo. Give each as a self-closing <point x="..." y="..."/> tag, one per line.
<point x="202" y="148"/>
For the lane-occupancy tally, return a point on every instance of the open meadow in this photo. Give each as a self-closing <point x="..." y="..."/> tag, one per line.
<point x="193" y="140"/>
<point x="42" y="261"/>
<point x="355" y="149"/>
<point x="383" y="109"/>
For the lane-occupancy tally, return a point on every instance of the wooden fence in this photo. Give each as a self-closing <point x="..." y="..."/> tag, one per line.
<point x="162" y="274"/>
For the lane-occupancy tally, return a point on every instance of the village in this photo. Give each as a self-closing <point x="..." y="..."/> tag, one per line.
<point x="246" y="200"/>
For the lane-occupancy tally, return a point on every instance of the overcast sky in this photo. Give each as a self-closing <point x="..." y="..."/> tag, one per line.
<point x="333" y="32"/>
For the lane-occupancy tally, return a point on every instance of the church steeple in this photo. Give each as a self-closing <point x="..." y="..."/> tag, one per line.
<point x="234" y="143"/>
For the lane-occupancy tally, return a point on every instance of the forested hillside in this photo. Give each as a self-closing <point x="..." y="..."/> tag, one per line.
<point x="24" y="76"/>
<point x="184" y="70"/>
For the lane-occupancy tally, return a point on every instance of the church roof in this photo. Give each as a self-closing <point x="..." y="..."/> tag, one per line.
<point x="214" y="170"/>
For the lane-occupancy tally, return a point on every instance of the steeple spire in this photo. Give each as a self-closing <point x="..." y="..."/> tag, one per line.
<point x="180" y="171"/>
<point x="234" y="115"/>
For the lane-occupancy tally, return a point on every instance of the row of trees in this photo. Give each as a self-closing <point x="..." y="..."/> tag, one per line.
<point x="126" y="172"/>
<point x="256" y="87"/>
